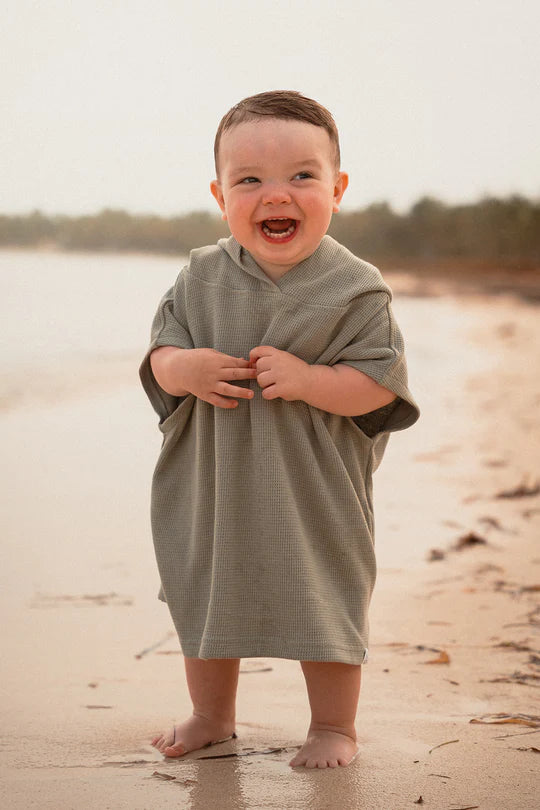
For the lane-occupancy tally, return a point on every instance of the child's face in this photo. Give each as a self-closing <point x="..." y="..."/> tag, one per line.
<point x="278" y="188"/>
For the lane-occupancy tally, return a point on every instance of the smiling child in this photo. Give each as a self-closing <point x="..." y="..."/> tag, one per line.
<point x="277" y="370"/>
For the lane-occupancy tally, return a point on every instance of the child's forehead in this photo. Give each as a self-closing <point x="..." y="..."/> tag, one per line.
<point x="265" y="138"/>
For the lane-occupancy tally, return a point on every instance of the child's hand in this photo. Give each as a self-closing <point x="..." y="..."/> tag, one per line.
<point x="204" y="373"/>
<point x="280" y="374"/>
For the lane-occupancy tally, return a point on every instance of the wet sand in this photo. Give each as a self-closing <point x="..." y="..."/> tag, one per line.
<point x="91" y="670"/>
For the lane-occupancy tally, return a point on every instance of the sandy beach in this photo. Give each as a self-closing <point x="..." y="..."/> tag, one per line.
<point x="91" y="667"/>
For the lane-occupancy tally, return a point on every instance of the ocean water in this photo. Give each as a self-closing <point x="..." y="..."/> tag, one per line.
<point x="75" y="321"/>
<point x="75" y="304"/>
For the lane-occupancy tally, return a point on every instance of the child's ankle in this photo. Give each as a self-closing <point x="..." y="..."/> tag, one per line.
<point x="222" y="720"/>
<point x="347" y="731"/>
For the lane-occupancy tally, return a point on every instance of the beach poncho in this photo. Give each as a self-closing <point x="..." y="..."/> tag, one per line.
<point x="262" y="515"/>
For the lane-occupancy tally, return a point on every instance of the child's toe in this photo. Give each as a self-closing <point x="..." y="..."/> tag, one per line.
<point x="163" y="741"/>
<point x="176" y="750"/>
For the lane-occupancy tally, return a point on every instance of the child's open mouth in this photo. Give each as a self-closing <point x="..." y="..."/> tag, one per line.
<point x="279" y="229"/>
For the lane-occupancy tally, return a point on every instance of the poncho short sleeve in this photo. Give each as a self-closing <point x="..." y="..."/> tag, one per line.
<point x="377" y="349"/>
<point x="169" y="328"/>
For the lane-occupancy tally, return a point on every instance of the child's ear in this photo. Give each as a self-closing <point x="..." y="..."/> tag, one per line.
<point x="215" y="188"/>
<point x="339" y="189"/>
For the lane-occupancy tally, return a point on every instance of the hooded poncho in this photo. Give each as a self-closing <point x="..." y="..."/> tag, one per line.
<point x="262" y="515"/>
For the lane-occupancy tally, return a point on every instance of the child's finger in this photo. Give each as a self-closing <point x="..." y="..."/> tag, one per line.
<point x="238" y="373"/>
<point x="228" y="390"/>
<point x="221" y="402"/>
<point x="263" y="364"/>
<point x="261" y="351"/>
<point x="230" y="360"/>
<point x="265" y="379"/>
<point x="270" y="392"/>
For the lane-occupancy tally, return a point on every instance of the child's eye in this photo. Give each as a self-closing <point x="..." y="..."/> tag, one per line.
<point x="247" y="180"/>
<point x="302" y="176"/>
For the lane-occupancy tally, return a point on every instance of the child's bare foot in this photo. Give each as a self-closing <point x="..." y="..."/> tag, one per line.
<point x="325" y="749"/>
<point x="197" y="732"/>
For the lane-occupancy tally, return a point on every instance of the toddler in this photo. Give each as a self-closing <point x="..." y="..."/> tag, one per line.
<point x="277" y="371"/>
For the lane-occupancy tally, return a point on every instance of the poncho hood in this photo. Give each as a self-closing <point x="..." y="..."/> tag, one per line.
<point x="331" y="274"/>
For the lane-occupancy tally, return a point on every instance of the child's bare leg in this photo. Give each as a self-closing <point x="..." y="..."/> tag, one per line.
<point x="212" y="685"/>
<point x="333" y="691"/>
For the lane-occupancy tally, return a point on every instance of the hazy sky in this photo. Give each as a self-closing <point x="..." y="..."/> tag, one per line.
<point x="115" y="102"/>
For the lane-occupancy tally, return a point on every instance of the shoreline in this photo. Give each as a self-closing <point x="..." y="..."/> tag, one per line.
<point x="407" y="276"/>
<point x="462" y="279"/>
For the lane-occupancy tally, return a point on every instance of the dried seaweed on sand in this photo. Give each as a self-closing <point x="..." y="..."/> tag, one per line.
<point x="468" y="540"/>
<point x="532" y="720"/>
<point x="523" y="490"/>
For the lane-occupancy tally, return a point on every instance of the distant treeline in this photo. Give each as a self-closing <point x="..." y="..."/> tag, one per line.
<point x="498" y="231"/>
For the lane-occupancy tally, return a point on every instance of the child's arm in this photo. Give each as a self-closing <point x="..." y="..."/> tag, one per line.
<point x="202" y="372"/>
<point x="338" y="389"/>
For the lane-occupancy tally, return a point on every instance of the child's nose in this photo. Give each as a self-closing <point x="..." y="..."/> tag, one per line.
<point x="276" y="194"/>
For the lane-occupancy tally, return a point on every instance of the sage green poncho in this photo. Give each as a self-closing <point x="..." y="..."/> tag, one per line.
<point x="262" y="515"/>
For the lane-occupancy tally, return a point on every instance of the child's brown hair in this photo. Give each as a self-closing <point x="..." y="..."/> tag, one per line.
<point x="279" y="104"/>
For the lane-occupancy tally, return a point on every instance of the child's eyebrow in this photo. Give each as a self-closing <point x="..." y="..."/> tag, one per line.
<point x="253" y="169"/>
<point x="308" y="162"/>
<point x="244" y="169"/>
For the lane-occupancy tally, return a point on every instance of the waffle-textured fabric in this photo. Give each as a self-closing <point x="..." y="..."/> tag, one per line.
<point x="262" y="515"/>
